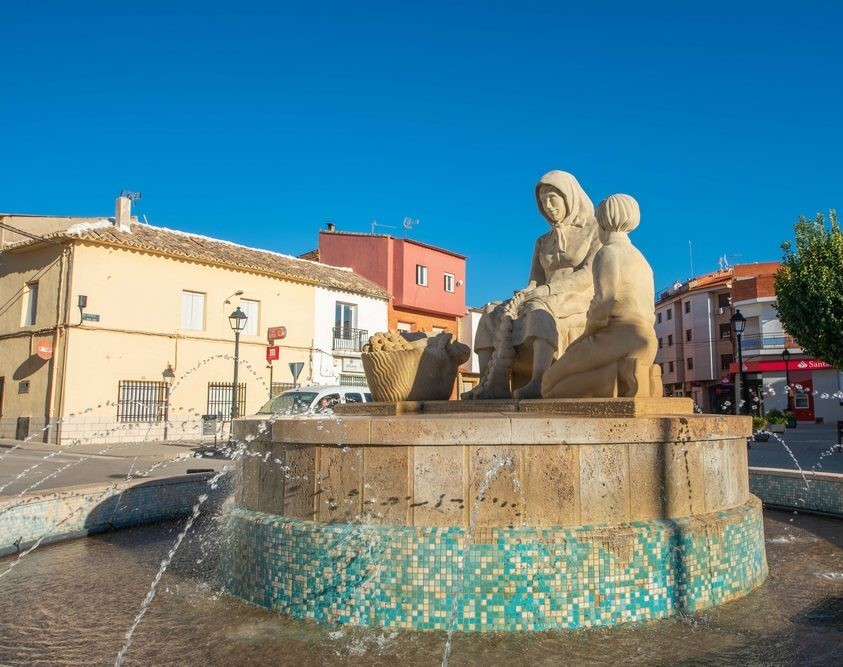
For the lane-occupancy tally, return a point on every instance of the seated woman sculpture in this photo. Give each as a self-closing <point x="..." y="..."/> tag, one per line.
<point x="615" y="354"/>
<point x="518" y="339"/>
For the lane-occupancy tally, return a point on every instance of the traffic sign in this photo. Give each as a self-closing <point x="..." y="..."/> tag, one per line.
<point x="44" y="349"/>
<point x="273" y="353"/>
<point x="276" y="333"/>
<point x="295" y="369"/>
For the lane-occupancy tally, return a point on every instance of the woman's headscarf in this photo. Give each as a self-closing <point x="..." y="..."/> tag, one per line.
<point x="580" y="208"/>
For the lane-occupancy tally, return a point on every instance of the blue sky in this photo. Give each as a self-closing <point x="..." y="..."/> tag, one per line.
<point x="259" y="122"/>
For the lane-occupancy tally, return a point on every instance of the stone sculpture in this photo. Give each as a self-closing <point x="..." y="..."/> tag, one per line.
<point x="412" y="366"/>
<point x="517" y="340"/>
<point x="614" y="356"/>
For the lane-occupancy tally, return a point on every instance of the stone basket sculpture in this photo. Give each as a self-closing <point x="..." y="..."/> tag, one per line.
<point x="412" y="366"/>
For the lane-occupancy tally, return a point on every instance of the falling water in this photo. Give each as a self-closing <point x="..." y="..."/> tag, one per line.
<point x="490" y="475"/>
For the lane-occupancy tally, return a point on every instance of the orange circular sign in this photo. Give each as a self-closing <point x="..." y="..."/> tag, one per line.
<point x="44" y="349"/>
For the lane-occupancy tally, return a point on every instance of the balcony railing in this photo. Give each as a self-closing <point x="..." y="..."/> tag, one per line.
<point x="351" y="340"/>
<point x="767" y="341"/>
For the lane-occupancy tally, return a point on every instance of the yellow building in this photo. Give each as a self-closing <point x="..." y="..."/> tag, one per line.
<point x="106" y="324"/>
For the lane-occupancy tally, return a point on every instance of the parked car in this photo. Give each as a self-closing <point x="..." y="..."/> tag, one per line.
<point x="314" y="400"/>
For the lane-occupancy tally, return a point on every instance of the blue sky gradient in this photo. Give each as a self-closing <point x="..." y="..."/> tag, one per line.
<point x="259" y="122"/>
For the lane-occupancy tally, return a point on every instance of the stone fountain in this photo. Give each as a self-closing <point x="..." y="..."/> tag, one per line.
<point x="600" y="502"/>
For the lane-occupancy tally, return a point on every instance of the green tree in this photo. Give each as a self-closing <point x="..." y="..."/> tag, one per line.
<point x="809" y="288"/>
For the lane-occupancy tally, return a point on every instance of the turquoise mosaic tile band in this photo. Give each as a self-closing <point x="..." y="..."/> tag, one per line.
<point x="507" y="579"/>
<point x="817" y="493"/>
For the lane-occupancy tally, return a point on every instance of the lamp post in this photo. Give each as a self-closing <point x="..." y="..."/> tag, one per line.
<point x="738" y="322"/>
<point x="169" y="375"/>
<point x="786" y="360"/>
<point x="237" y="319"/>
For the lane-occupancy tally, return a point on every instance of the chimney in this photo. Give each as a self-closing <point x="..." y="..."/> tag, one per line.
<point x="330" y="226"/>
<point x="123" y="214"/>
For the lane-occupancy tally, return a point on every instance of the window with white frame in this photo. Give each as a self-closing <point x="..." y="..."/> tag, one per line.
<point x="421" y="275"/>
<point x="405" y="326"/>
<point x="252" y="310"/>
<point x="30" y="304"/>
<point x="345" y="317"/>
<point x="449" y="282"/>
<point x="193" y="311"/>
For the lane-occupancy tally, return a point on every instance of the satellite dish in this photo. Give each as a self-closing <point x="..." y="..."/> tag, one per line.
<point x="409" y="223"/>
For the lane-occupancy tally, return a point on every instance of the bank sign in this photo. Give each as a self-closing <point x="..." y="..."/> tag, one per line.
<point x="779" y="365"/>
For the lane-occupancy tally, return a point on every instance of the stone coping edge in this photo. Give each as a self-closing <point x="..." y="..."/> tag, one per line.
<point x="71" y="512"/>
<point x="583" y="407"/>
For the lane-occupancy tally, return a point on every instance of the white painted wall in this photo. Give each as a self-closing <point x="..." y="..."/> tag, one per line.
<point x="371" y="315"/>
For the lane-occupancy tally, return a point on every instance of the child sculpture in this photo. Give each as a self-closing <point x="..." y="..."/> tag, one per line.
<point x="614" y="356"/>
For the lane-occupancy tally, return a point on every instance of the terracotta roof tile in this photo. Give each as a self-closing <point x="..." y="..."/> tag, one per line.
<point x="193" y="246"/>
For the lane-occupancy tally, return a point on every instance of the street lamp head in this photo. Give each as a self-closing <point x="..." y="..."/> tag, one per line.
<point x="237" y="319"/>
<point x="738" y="322"/>
<point x="169" y="374"/>
<point x="785" y="355"/>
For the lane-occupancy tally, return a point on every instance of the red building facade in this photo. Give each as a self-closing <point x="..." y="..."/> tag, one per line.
<point x="427" y="283"/>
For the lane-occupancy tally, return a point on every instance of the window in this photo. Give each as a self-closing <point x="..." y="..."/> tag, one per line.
<point x="353" y="397"/>
<point x="725" y="331"/>
<point x="687" y="306"/>
<point x="689" y="363"/>
<point x="670" y="313"/>
<point x="346" y="335"/>
<point x="658" y="318"/>
<point x="421" y="275"/>
<point x="669" y="366"/>
<point x="345" y="315"/>
<point x="661" y="343"/>
<point x="670" y="340"/>
<point x="725" y="361"/>
<point x="449" y="282"/>
<point x="688" y="334"/>
<point x="437" y="330"/>
<point x="30" y="304"/>
<point x="405" y="326"/>
<point x="252" y="310"/>
<point x="723" y="300"/>
<point x="141" y="401"/>
<point x="193" y="311"/>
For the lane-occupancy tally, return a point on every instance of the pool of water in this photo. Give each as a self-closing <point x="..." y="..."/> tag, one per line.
<point x="72" y="604"/>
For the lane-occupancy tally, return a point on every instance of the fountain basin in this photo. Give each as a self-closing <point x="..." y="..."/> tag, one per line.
<point x="535" y="515"/>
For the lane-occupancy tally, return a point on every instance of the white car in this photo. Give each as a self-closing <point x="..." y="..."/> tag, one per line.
<point x="314" y="400"/>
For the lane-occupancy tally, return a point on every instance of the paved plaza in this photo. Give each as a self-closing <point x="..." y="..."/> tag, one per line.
<point x="811" y="445"/>
<point x="32" y="467"/>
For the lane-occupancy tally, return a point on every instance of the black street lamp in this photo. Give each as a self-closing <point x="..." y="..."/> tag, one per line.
<point x="739" y="324"/>
<point x="237" y="319"/>
<point x="786" y="359"/>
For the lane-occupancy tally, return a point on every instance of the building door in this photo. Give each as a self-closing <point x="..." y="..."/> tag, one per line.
<point x="803" y="400"/>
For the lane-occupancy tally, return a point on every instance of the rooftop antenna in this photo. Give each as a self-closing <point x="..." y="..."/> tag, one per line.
<point x="375" y="223"/>
<point x="131" y="196"/>
<point x="691" y="256"/>
<point x="409" y="223"/>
